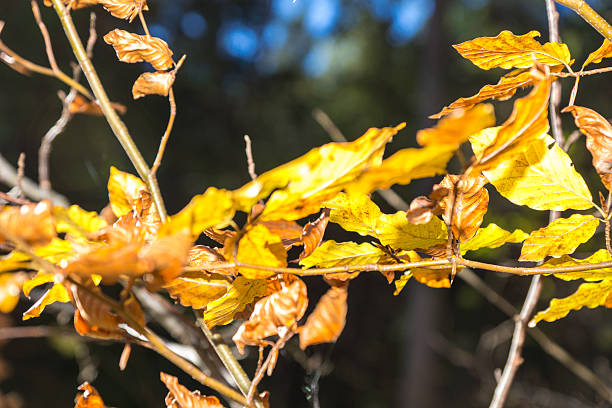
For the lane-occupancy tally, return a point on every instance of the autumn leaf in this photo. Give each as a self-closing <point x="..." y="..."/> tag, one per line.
<point x="32" y="223"/>
<point x="198" y="289"/>
<point x="76" y="222"/>
<point x="560" y="237"/>
<point x="180" y="397"/>
<point x="127" y="9"/>
<point x="598" y="133"/>
<point x="588" y="294"/>
<point x="139" y="48"/>
<point x="434" y="278"/>
<point x="327" y="320"/>
<point x="90" y="398"/>
<point x="10" y="288"/>
<point x="290" y="232"/>
<point x="397" y="232"/>
<point x="492" y="236"/>
<point x="605" y="51"/>
<point x="274" y="314"/>
<point x="124" y="191"/>
<point x="153" y="83"/>
<point x="599" y="256"/>
<point x="80" y="105"/>
<point x="508" y="50"/>
<point x="241" y="293"/>
<point x="56" y="293"/>
<point x="260" y="247"/>
<point x="354" y="212"/>
<point x="332" y="253"/>
<point x="456" y="128"/>
<point x="541" y="177"/>
<point x="74" y="4"/>
<point x="312" y="234"/>
<point x="422" y="209"/>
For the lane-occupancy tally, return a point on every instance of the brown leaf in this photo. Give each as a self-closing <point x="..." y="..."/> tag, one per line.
<point x="219" y="235"/>
<point x="180" y="397"/>
<point x="313" y="232"/>
<point x="276" y="314"/>
<point x="197" y="289"/>
<point x="90" y="398"/>
<point x="471" y="203"/>
<point x="127" y="9"/>
<point x="326" y="322"/>
<point x="10" y="288"/>
<point x="422" y="209"/>
<point x="74" y="4"/>
<point x="138" y="48"/>
<point x="33" y="223"/>
<point x="81" y="105"/>
<point x="153" y="83"/>
<point x="598" y="133"/>
<point x="166" y="257"/>
<point x="94" y="318"/>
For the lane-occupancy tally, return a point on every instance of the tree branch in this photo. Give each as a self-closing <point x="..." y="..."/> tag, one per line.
<point x="589" y="15"/>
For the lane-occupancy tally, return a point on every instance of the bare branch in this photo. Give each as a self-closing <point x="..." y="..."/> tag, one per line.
<point x="249" y="155"/>
<point x="20" y="173"/>
<point x="166" y="136"/>
<point x="589" y="15"/>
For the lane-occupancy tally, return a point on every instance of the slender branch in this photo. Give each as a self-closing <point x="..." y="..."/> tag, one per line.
<point x="582" y="73"/>
<point x="116" y="124"/>
<point x="20" y="174"/>
<point x="590" y="16"/>
<point x="166" y="136"/>
<point x="249" y="155"/>
<point x="45" y="34"/>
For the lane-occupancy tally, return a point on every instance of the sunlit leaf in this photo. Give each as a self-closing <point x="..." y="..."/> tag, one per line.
<point x="81" y="105"/>
<point x="127" y="9"/>
<point x="74" y="4"/>
<point x="332" y="253"/>
<point x="32" y="223"/>
<point x="605" y="51"/>
<point x="396" y="231"/>
<point x="241" y="292"/>
<point x="354" y="212"/>
<point x="541" y="177"/>
<point x="124" y="191"/>
<point x="455" y="129"/>
<point x="598" y="133"/>
<point x="198" y="289"/>
<point x="57" y="293"/>
<point x="513" y="51"/>
<point x="589" y="295"/>
<point x="313" y="233"/>
<point x="260" y="247"/>
<point x="560" y="237"/>
<point x="139" y="48"/>
<point x="327" y="320"/>
<point x="77" y="222"/>
<point x="601" y="255"/>
<point x="290" y="232"/>
<point x="10" y="288"/>
<point x="90" y="398"/>
<point x="434" y="278"/>
<point x="180" y="397"/>
<point x="153" y="83"/>
<point x="492" y="236"/>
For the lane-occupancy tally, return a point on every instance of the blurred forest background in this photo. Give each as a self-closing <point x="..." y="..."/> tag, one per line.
<point x="260" y="68"/>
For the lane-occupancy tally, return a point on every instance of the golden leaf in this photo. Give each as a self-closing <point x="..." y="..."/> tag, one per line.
<point x="589" y="294"/>
<point x="560" y="237"/>
<point x="332" y="253"/>
<point x="434" y="278"/>
<point x="274" y="314"/>
<point x="528" y="122"/>
<point x="10" y="288"/>
<point x="90" y="398"/>
<point x="605" y="51"/>
<point x="77" y="222"/>
<point x="327" y="320"/>
<point x="153" y="83"/>
<point x="401" y="282"/>
<point x="80" y="105"/>
<point x="241" y="292"/>
<point x="180" y="397"/>
<point x="138" y="48"/>
<point x="312" y="235"/>
<point x="513" y="51"/>
<point x="601" y="255"/>
<point x="541" y="177"/>
<point x="456" y="128"/>
<point x="354" y="212"/>
<point x="290" y="232"/>
<point x="492" y="236"/>
<point x="57" y="293"/>
<point x="33" y="223"/>
<point x="74" y="4"/>
<point x="598" y="133"/>
<point x="395" y="230"/>
<point x="200" y="255"/>
<point x="124" y="191"/>
<point x="198" y="289"/>
<point x="127" y="9"/>
<point x="260" y="247"/>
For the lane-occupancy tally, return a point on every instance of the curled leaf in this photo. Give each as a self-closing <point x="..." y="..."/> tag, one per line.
<point x="74" y="4"/>
<point x="456" y="128"/>
<point x="127" y="9"/>
<point x="10" y="288"/>
<point x="327" y="320"/>
<point x="33" y="223"/>
<point x="312" y="235"/>
<point x="80" y="105"/>
<point x="90" y="398"/>
<point x="241" y="292"/>
<point x="598" y="133"/>
<point x="198" y="289"/>
<point x="138" y="48"/>
<point x="153" y="83"/>
<point x="180" y="397"/>
<point x="605" y="51"/>
<point x="57" y="293"/>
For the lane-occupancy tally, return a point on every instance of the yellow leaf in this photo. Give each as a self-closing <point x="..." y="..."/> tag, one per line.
<point x="242" y="292"/>
<point x="590" y="295"/>
<point x="395" y="230"/>
<point x="10" y="288"/>
<point x="601" y="255"/>
<point x="197" y="289"/>
<point x="605" y="51"/>
<point x="260" y="247"/>
<point x="513" y="51"/>
<point x="455" y="129"/>
<point x="77" y="222"/>
<point x="57" y="293"/>
<point x="40" y="279"/>
<point x="354" y="212"/>
<point x="124" y="190"/>
<point x="14" y="261"/>
<point x="402" y="167"/>
<point x="332" y="253"/>
<point x="401" y="282"/>
<point x="214" y="208"/>
<point x="492" y="236"/>
<point x="560" y="237"/>
<point x="138" y="48"/>
<point x="528" y="122"/>
<point x="434" y="278"/>
<point x="541" y="177"/>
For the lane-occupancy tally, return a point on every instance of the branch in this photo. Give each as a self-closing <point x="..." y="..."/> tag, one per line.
<point x="589" y="15"/>
<point x="116" y="124"/>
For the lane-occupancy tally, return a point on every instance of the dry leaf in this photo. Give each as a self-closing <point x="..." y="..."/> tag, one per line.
<point x="180" y="397"/>
<point x="90" y="398"/>
<point x="83" y="106"/>
<point x="32" y="223"/>
<point x="198" y="289"/>
<point x="456" y="128"/>
<point x="422" y="209"/>
<point x="290" y="232"/>
<point x="598" y="133"/>
<point x="138" y="48"/>
<point x="260" y="247"/>
<point x="153" y="83"/>
<point x="326" y="322"/>
<point x="240" y="294"/>
<point x="127" y="9"/>
<point x="312" y="235"/>
<point x="74" y="4"/>
<point x="10" y="288"/>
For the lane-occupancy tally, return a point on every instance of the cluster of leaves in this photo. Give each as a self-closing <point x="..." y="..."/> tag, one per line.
<point x="247" y="276"/>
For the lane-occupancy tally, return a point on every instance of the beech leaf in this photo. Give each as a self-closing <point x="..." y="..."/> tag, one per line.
<point x="396" y="231"/>
<point x="492" y="236"/>
<point x="327" y="320"/>
<point x="259" y="246"/>
<point x="80" y="105"/>
<point x="10" y="288"/>
<point x="456" y="128"/>
<point x="139" y="48"/>
<point x="354" y="212"/>
<point x="127" y="9"/>
<point x="241" y="292"/>
<point x="153" y="83"/>
<point x="601" y="255"/>
<point x="56" y="293"/>
<point x="605" y="51"/>
<point x="77" y="222"/>
<point x="33" y="223"/>
<point x="90" y="398"/>
<point x="198" y="289"/>
<point x="312" y="234"/>
<point x="180" y="397"/>
<point x="332" y="253"/>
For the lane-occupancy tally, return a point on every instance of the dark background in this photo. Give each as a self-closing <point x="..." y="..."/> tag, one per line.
<point x="260" y="68"/>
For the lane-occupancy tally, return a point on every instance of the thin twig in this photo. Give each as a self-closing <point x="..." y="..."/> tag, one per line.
<point x="249" y="155"/>
<point x="272" y="354"/>
<point x="20" y="173"/>
<point x="166" y="136"/>
<point x="46" y="38"/>
<point x="589" y="15"/>
<point x="15" y="200"/>
<point x="571" y="139"/>
<point x="144" y="23"/>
